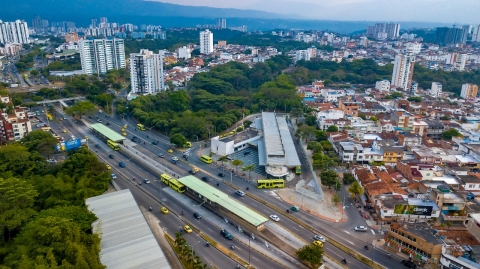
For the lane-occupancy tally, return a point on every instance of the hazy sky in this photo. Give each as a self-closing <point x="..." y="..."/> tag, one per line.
<point x="449" y="11"/>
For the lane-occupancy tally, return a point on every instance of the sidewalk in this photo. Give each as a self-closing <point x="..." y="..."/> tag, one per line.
<point x="257" y="244"/>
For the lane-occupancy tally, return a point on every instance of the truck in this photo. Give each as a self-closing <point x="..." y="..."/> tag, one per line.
<point x="14" y="85"/>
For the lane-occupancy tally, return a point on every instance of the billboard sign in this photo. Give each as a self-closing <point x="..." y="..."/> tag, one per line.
<point x="422" y="210"/>
<point x="68" y="145"/>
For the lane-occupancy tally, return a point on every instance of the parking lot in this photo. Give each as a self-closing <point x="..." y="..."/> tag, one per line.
<point x="248" y="156"/>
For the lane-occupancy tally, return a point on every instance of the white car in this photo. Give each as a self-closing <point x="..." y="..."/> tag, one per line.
<point x="174" y="159"/>
<point x="319" y="238"/>
<point x="275" y="217"/>
<point x="114" y="176"/>
<point x="361" y="228"/>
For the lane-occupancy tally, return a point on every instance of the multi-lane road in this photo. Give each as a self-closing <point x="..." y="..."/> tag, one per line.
<point x="341" y="232"/>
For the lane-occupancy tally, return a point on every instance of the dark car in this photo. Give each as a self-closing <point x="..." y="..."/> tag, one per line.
<point x="196" y="215"/>
<point x="226" y="234"/>
<point x="108" y="116"/>
<point x="111" y="156"/>
<point x="155" y="142"/>
<point x="206" y="179"/>
<point x="122" y="164"/>
<point x="160" y="155"/>
<point x="108" y="123"/>
<point x="409" y="264"/>
<point x="191" y="172"/>
<point x="134" y="139"/>
<point x="221" y="174"/>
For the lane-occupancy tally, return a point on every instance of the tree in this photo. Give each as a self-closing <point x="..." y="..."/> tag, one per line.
<point x="329" y="178"/>
<point x="314" y="146"/>
<point x="307" y="132"/>
<point x="311" y="120"/>
<point x="448" y="134"/>
<point x="81" y="108"/>
<point x="355" y="189"/>
<point x="52" y="111"/>
<point x="178" y="139"/>
<point x="249" y="168"/>
<point x="332" y="128"/>
<point x="348" y="178"/>
<point x="321" y="135"/>
<point x="296" y="112"/>
<point x="417" y="99"/>
<point x="236" y="164"/>
<point x="311" y="254"/>
<point x="40" y="141"/>
<point x="373" y="118"/>
<point x="34" y="72"/>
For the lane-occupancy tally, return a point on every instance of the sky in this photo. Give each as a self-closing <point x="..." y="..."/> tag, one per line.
<point x="446" y="11"/>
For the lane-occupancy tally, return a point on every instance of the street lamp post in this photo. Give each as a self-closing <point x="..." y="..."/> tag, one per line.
<point x="151" y="129"/>
<point x="197" y="137"/>
<point x="231" y="177"/>
<point x="249" y="251"/>
<point x="191" y="246"/>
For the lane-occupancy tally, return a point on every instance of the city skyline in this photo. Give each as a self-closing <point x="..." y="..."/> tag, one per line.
<point x="461" y="11"/>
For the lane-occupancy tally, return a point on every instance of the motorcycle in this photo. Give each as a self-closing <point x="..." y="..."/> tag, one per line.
<point x="248" y="188"/>
<point x="344" y="261"/>
<point x="232" y="246"/>
<point x="288" y="210"/>
<point x="207" y="244"/>
<point x="366" y="247"/>
<point x="150" y="208"/>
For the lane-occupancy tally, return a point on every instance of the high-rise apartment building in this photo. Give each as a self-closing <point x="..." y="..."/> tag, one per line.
<point x="469" y="91"/>
<point x="100" y="55"/>
<point x="146" y="72"/>
<point x="206" y="42"/>
<point x="476" y="33"/>
<point x="384" y="30"/>
<point x="403" y="69"/>
<point x="222" y="23"/>
<point x="454" y="35"/>
<point x="14" y="32"/>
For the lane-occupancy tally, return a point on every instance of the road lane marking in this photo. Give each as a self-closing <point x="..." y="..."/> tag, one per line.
<point x="255" y="258"/>
<point x="296" y="229"/>
<point x="346" y="232"/>
<point x="372" y="232"/>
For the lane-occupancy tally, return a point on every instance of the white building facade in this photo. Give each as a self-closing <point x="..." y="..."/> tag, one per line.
<point x="383" y="85"/>
<point x="403" y="69"/>
<point x="206" y="42"/>
<point x="146" y="72"/>
<point x="100" y="55"/>
<point x="436" y="89"/>
<point x="14" y="32"/>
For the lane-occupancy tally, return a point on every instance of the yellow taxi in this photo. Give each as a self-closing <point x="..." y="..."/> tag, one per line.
<point x="318" y="243"/>
<point x="109" y="167"/>
<point x="64" y="130"/>
<point x="170" y="151"/>
<point x="164" y="210"/>
<point x="196" y="170"/>
<point x="124" y="134"/>
<point x="86" y="137"/>
<point x="187" y="229"/>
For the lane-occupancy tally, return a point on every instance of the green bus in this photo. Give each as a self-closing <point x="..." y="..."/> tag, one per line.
<point x="206" y="159"/>
<point x="176" y="185"/>
<point x="298" y="170"/>
<point x="113" y="145"/>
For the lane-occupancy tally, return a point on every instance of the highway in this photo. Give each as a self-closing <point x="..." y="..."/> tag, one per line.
<point x="341" y="232"/>
<point x="182" y="169"/>
<point x="169" y="222"/>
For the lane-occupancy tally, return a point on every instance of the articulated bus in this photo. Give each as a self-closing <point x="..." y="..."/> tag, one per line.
<point x="140" y="127"/>
<point x="172" y="183"/>
<point x="270" y="183"/>
<point x="176" y="185"/>
<point x="113" y="145"/>
<point x="206" y="159"/>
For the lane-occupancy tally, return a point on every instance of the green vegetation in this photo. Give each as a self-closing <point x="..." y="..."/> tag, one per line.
<point x="311" y="254"/>
<point x="330" y="178"/>
<point x="448" y="134"/>
<point x="332" y="128"/>
<point x="81" y="108"/>
<point x="355" y="189"/>
<point x="66" y="65"/>
<point x="236" y="164"/>
<point x="178" y="139"/>
<point x="44" y="221"/>
<point x="186" y="254"/>
<point x="394" y="95"/>
<point x="215" y="100"/>
<point x="451" y="81"/>
<point x="348" y="178"/>
<point x="417" y="99"/>
<point x="26" y="61"/>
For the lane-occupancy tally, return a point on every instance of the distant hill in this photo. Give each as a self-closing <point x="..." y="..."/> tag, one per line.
<point x="170" y="15"/>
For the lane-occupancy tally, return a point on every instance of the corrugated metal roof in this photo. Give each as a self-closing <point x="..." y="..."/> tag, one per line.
<point x="127" y="241"/>
<point x="221" y="198"/>
<point x="107" y="132"/>
<point x="288" y="144"/>
<point x="262" y="154"/>
<point x="273" y="139"/>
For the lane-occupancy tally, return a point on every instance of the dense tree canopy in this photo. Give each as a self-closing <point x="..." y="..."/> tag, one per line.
<point x="44" y="221"/>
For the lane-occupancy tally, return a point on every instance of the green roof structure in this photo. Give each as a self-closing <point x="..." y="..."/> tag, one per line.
<point x="107" y="132"/>
<point x="221" y="198"/>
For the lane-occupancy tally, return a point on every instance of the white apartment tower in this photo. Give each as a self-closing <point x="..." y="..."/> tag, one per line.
<point x="383" y="85"/>
<point x="436" y="89"/>
<point x="100" y="55"/>
<point x="146" y="72"/>
<point x="206" y="42"/>
<point x="14" y="32"/>
<point x="403" y="69"/>
<point x="469" y="91"/>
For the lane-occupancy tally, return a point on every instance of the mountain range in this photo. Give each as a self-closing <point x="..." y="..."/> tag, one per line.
<point x="170" y="15"/>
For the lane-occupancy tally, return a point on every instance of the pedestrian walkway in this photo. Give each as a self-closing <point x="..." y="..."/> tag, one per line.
<point x="257" y="243"/>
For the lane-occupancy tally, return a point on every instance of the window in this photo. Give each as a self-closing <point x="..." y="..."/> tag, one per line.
<point x="428" y="174"/>
<point x="471" y="186"/>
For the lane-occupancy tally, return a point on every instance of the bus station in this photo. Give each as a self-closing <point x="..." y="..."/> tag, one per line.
<point x="221" y="204"/>
<point x="106" y="133"/>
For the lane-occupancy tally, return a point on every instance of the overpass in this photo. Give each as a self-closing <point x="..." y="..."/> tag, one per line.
<point x="61" y="101"/>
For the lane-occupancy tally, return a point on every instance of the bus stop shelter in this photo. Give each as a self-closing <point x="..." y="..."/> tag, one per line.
<point x="107" y="132"/>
